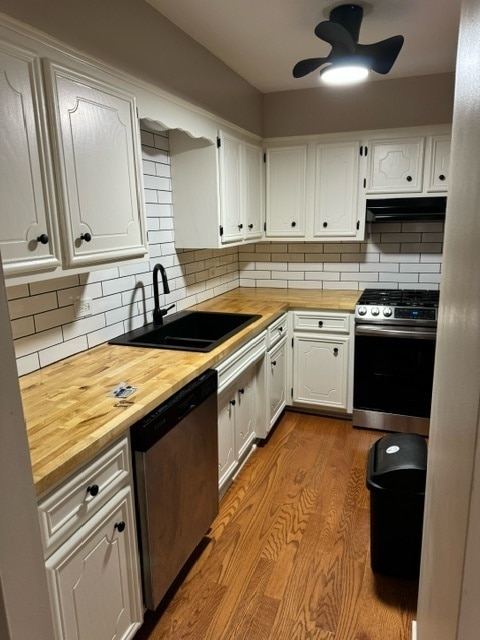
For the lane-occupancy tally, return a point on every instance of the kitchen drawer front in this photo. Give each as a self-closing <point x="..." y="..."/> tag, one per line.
<point x="232" y="367"/>
<point x="276" y="331"/>
<point x="321" y="321"/>
<point x="67" y="507"/>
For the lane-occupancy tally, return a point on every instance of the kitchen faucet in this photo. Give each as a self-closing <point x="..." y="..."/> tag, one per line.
<point x="157" y="312"/>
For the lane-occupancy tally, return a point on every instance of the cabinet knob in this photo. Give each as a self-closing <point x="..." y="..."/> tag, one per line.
<point x="240" y="226"/>
<point x="233" y="403"/>
<point x="280" y="329"/>
<point x="409" y="178"/>
<point x="325" y="224"/>
<point x="320" y="323"/>
<point x="442" y="177"/>
<point x="242" y="391"/>
<point x="120" y="526"/>
<point x="93" y="489"/>
<point x="43" y="238"/>
<point x="274" y="363"/>
<point x="335" y="351"/>
<point x="294" y="224"/>
<point x="250" y="226"/>
<point x="86" y="236"/>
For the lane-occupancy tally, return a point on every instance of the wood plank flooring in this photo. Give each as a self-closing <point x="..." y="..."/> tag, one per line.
<point x="288" y="557"/>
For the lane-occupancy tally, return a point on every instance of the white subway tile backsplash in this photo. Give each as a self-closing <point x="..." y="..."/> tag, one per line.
<point x="63" y="350"/>
<point x="55" y="318"/>
<point x="34" y="304"/>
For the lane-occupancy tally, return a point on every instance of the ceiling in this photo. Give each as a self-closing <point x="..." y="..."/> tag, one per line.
<point x="263" y="39"/>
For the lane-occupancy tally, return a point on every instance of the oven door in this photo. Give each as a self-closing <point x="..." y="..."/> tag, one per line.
<point x="393" y="377"/>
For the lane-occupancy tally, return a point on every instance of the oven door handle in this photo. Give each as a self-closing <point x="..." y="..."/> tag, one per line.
<point x="416" y="333"/>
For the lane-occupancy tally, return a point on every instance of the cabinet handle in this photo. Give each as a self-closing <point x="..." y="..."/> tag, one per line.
<point x="274" y="363"/>
<point x="320" y="323"/>
<point x="43" y="239"/>
<point x="294" y="224"/>
<point x="335" y="352"/>
<point x="242" y="391"/>
<point x="86" y="236"/>
<point x="280" y="329"/>
<point x="442" y="177"/>
<point x="325" y="224"/>
<point x="240" y="226"/>
<point x="409" y="178"/>
<point x="233" y="403"/>
<point x="120" y="526"/>
<point x="93" y="489"/>
<point x="250" y="226"/>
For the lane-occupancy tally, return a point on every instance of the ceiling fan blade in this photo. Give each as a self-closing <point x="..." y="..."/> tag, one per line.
<point x="383" y="54"/>
<point x="337" y="36"/>
<point x="304" y="67"/>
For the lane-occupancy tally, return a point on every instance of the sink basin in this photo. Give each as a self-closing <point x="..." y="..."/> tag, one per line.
<point x="188" y="331"/>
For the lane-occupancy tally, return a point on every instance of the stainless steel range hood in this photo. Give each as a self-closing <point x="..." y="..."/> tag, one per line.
<point x="414" y="209"/>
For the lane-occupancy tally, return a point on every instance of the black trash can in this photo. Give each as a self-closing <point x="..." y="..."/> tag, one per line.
<point x="396" y="474"/>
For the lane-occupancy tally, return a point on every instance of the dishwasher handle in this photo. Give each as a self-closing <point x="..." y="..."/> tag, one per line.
<point x="160" y="421"/>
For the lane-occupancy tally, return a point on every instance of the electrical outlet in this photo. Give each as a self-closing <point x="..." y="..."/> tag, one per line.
<point x="83" y="308"/>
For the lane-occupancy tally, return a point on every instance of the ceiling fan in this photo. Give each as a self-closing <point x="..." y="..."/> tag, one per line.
<point x="342" y="31"/>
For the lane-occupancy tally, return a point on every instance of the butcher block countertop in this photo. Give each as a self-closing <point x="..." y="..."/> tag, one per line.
<point x="68" y="412"/>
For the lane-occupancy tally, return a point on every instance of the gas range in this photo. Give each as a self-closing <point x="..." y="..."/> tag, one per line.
<point x="398" y="306"/>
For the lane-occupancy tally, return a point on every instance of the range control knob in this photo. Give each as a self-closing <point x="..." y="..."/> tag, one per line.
<point x="362" y="311"/>
<point x="387" y="312"/>
<point x="375" y="311"/>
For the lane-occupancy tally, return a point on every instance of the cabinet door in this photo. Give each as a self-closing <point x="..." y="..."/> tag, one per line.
<point x="277" y="380"/>
<point x="231" y="201"/>
<point x="245" y="411"/>
<point x="439" y="163"/>
<point x="336" y="190"/>
<point x="96" y="144"/>
<point x="286" y="184"/>
<point x="396" y="166"/>
<point x="94" y="577"/>
<point x="321" y="371"/>
<point x="254" y="211"/>
<point x="27" y="237"/>
<point x="227" y="459"/>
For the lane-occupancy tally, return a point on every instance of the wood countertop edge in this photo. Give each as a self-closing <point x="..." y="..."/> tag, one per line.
<point x="49" y="470"/>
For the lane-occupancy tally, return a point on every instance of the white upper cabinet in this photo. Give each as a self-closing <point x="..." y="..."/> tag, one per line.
<point x="337" y="190"/>
<point x="254" y="191"/>
<point x="286" y="191"/>
<point x="27" y="233"/>
<point x="99" y="181"/>
<point x="396" y="166"/>
<point x="439" y="163"/>
<point x="314" y="192"/>
<point x="404" y="164"/>
<point x="217" y="190"/>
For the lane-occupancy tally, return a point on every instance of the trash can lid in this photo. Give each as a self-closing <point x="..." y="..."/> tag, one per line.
<point x="398" y="462"/>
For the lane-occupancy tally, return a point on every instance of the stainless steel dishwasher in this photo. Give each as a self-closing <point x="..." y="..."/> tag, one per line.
<point x="175" y="452"/>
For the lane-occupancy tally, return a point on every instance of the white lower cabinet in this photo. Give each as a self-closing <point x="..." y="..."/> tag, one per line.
<point x="276" y="371"/>
<point x="240" y="406"/>
<point x="322" y="360"/>
<point x="89" y="536"/>
<point x="93" y="594"/>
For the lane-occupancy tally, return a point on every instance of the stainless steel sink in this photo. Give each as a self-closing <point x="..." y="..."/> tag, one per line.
<point x="188" y="331"/>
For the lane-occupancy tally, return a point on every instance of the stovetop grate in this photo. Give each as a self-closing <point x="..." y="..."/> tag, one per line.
<point x="400" y="297"/>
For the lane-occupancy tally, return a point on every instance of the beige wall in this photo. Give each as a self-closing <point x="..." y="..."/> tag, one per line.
<point x="382" y="104"/>
<point x="131" y="35"/>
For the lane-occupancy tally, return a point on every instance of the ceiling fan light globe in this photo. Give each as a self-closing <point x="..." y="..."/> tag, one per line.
<point x="346" y="74"/>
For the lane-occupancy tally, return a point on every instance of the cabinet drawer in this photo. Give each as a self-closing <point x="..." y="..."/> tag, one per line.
<point x="66" y="508"/>
<point x="321" y="321"/>
<point x="276" y="331"/>
<point x="235" y="364"/>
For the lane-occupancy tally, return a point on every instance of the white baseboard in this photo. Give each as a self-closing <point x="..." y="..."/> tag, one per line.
<point x="414" y="630"/>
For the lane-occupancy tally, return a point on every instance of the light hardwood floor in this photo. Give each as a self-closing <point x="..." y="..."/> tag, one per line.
<point x="288" y="557"/>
